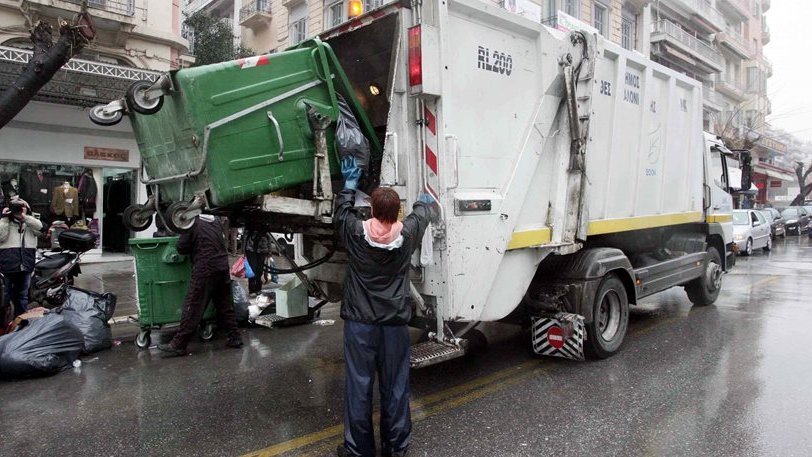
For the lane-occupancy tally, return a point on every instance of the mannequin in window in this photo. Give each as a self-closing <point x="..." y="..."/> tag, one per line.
<point x="12" y="189"/>
<point x="65" y="204"/>
<point x="38" y="191"/>
<point x="87" y="193"/>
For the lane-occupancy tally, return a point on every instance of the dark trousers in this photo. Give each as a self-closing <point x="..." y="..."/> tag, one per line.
<point x="16" y="290"/>
<point x="257" y="262"/>
<point x="371" y="349"/>
<point x="203" y="289"/>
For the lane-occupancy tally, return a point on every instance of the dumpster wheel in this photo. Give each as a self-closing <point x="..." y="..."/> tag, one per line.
<point x="137" y="217"/>
<point x="180" y="216"/>
<point x="143" y="339"/>
<point x="98" y="116"/>
<point x="138" y="100"/>
<point x="206" y="331"/>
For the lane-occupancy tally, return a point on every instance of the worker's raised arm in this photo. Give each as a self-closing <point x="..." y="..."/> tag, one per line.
<point x="415" y="224"/>
<point x="343" y="217"/>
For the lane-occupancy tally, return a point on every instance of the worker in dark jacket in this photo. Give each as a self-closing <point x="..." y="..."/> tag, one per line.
<point x="375" y="311"/>
<point x="210" y="281"/>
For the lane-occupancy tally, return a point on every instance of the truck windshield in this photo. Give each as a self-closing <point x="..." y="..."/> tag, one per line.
<point x="740" y="218"/>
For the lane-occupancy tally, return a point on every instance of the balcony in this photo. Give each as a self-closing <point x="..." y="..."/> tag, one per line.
<point x="731" y="88"/>
<point x="765" y="35"/>
<point x="680" y="44"/>
<point x="712" y="100"/>
<point x="737" y="8"/>
<point x="735" y="43"/>
<point x="256" y="15"/>
<point x="703" y="16"/>
<point x="213" y="7"/>
<point x="766" y="65"/>
<point x="765" y="5"/>
<point x="113" y="19"/>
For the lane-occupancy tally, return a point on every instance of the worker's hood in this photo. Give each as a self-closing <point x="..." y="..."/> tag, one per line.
<point x="383" y="236"/>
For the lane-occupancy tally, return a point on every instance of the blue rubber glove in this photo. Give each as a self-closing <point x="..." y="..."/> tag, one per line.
<point x="351" y="172"/>
<point x="426" y="198"/>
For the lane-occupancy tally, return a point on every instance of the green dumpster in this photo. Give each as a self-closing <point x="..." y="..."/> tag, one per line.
<point x="236" y="130"/>
<point x="162" y="278"/>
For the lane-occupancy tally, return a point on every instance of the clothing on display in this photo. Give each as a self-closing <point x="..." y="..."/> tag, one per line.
<point x="65" y="203"/>
<point x="38" y="190"/>
<point x="87" y="193"/>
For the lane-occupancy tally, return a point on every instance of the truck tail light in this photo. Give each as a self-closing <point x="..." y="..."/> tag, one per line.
<point x="355" y="8"/>
<point x="415" y="57"/>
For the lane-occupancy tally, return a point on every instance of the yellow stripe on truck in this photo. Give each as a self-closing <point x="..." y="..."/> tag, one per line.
<point x="718" y="218"/>
<point x="537" y="237"/>
<point x="643" y="222"/>
<point x="527" y="238"/>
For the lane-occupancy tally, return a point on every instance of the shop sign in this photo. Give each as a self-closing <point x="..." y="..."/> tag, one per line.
<point x="107" y="154"/>
<point x="775" y="183"/>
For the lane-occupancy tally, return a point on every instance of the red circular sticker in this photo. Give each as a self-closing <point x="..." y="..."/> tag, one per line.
<point x="555" y="337"/>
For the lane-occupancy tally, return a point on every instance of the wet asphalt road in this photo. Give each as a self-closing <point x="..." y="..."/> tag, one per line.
<point x="730" y="379"/>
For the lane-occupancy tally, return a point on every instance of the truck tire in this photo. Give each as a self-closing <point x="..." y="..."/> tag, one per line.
<point x="704" y="290"/>
<point x="610" y="318"/>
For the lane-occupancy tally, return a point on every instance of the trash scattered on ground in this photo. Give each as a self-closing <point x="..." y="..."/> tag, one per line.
<point x="241" y="303"/>
<point x="77" y="363"/>
<point x="324" y="322"/>
<point x="46" y="346"/>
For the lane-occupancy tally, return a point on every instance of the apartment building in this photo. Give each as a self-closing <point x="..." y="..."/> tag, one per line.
<point x="52" y="141"/>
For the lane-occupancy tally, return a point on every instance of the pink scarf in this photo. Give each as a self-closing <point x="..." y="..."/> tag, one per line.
<point x="381" y="232"/>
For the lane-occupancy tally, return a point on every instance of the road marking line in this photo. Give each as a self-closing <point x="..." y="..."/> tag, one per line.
<point x="432" y="404"/>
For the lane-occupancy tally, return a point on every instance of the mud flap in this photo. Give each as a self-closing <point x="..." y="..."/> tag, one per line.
<point x="559" y="335"/>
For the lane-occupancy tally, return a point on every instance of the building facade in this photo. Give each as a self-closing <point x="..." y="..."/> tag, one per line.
<point x="52" y="143"/>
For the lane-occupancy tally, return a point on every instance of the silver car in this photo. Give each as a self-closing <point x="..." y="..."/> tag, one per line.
<point x="751" y="231"/>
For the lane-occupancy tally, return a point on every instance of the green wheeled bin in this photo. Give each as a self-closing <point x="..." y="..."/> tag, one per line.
<point x="162" y="278"/>
<point x="222" y="134"/>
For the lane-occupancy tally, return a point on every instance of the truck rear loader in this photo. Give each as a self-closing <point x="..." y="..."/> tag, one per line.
<point x="573" y="176"/>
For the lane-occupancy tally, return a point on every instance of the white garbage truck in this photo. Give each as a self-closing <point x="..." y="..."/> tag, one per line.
<point x="574" y="176"/>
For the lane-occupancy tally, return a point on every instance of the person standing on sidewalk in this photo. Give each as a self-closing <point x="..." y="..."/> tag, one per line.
<point x="210" y="281"/>
<point x="257" y="248"/>
<point x="376" y="314"/>
<point x="18" y="247"/>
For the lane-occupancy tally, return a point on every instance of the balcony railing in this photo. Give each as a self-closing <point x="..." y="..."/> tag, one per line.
<point x="83" y="66"/>
<point x="741" y="6"/>
<point x="257" y="10"/>
<point x="706" y="11"/>
<point x="736" y="42"/>
<point x="712" y="98"/>
<point x="678" y="33"/>
<point x="730" y="87"/>
<point x="123" y="7"/>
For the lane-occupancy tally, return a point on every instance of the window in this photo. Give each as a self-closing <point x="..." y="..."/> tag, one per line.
<point x="571" y="7"/>
<point x="298" y="23"/>
<point x="628" y="30"/>
<point x="753" y="83"/>
<point x="568" y="6"/>
<point x="370" y="5"/>
<point x="600" y="17"/>
<point x="336" y="13"/>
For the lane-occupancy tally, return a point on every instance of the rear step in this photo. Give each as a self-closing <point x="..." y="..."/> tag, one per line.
<point x="431" y="352"/>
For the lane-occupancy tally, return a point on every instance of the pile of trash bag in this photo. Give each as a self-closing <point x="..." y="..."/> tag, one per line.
<point x="349" y="138"/>
<point x="44" y="346"/>
<point x="239" y="298"/>
<point x="47" y="344"/>
<point x="89" y="312"/>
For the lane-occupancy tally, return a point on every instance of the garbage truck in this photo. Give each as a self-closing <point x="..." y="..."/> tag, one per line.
<point x="573" y="176"/>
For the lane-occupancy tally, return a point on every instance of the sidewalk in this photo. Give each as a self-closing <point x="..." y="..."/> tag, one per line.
<point x="114" y="277"/>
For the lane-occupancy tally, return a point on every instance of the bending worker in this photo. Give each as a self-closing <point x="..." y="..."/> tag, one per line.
<point x="375" y="313"/>
<point x="210" y="281"/>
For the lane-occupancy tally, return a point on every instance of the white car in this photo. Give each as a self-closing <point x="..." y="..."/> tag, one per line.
<point x="751" y="231"/>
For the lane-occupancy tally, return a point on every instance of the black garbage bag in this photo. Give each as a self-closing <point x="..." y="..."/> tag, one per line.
<point x="349" y="138"/>
<point x="239" y="298"/>
<point x="89" y="312"/>
<point x="46" y="346"/>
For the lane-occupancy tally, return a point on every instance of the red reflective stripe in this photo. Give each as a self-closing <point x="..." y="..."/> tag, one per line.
<point x="431" y="160"/>
<point x="431" y="122"/>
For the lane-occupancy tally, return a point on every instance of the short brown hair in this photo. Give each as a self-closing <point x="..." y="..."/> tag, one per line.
<point x="385" y="205"/>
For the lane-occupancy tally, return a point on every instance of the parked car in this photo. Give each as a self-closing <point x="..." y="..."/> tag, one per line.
<point x="796" y="218"/>
<point x="751" y="231"/>
<point x="777" y="226"/>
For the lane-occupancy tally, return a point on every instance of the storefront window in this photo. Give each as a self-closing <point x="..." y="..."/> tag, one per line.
<point x="69" y="196"/>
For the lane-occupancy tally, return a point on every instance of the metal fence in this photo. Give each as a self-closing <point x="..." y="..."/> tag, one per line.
<point x="83" y="66"/>
<point x="256" y="6"/>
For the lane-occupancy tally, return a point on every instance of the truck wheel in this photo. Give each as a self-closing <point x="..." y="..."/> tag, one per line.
<point x="137" y="218"/>
<point x="610" y="318"/>
<point x="705" y="289"/>
<point x="136" y="98"/>
<point x="99" y="117"/>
